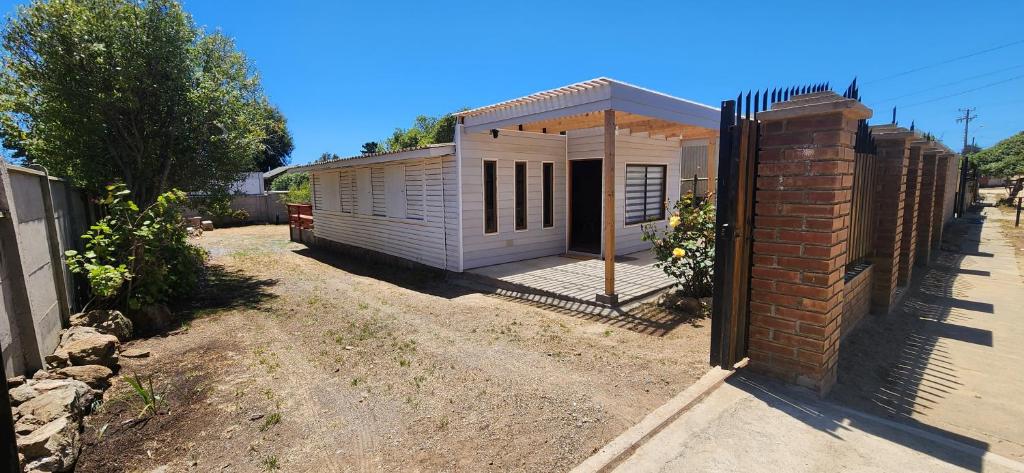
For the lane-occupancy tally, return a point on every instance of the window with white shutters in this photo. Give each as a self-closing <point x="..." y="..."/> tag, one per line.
<point x="645" y="193"/>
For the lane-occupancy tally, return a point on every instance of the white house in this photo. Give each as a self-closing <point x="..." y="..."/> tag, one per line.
<point x="573" y="170"/>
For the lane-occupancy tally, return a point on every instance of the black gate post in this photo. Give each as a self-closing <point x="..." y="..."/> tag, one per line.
<point x="725" y="231"/>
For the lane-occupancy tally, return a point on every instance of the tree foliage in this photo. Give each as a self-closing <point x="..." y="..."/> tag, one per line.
<point x="132" y="91"/>
<point x="425" y="131"/>
<point x="289" y="181"/>
<point x="277" y="143"/>
<point x="1004" y="159"/>
<point x="370" y="147"/>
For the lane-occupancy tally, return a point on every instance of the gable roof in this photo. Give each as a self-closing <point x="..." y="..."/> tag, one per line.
<point x="590" y="96"/>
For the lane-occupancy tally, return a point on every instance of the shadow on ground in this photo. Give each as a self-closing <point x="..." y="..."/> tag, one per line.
<point x="433" y="282"/>
<point x="895" y="367"/>
<point x="653" y="318"/>
<point x="225" y="289"/>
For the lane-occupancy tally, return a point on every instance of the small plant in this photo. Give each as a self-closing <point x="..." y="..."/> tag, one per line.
<point x="270" y="421"/>
<point x="685" y="250"/>
<point x="269" y="463"/>
<point x="144" y="391"/>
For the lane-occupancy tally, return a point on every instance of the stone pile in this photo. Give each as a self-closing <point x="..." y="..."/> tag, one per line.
<point x="49" y="407"/>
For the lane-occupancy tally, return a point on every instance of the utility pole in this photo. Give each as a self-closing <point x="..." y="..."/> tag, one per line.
<point x="964" y="165"/>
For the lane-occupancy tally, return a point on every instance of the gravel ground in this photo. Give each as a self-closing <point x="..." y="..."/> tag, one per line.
<point x="295" y="359"/>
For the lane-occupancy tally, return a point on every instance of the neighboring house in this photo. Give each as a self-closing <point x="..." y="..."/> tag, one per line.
<point x="269" y="176"/>
<point x="523" y="179"/>
<point x="251" y="183"/>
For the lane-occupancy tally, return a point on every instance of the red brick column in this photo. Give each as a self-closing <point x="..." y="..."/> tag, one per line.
<point x="942" y="171"/>
<point x="888" y="206"/>
<point x="801" y="223"/>
<point x="908" y="241"/>
<point x="925" y="209"/>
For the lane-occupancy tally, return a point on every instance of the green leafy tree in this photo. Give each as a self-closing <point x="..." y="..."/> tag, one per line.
<point x="1004" y="159"/>
<point x="130" y="91"/>
<point x="289" y="181"/>
<point x="324" y="157"/>
<point x="425" y="131"/>
<point x="277" y="143"/>
<point x="370" y="147"/>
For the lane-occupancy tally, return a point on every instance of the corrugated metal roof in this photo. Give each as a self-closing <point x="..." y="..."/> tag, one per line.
<point x="362" y="158"/>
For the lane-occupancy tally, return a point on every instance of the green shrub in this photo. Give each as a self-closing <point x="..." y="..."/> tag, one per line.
<point x="289" y="181"/>
<point x="297" y="185"/>
<point x="135" y="257"/>
<point x="685" y="250"/>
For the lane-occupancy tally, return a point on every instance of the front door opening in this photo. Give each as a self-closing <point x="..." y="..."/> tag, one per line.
<point x="585" y="206"/>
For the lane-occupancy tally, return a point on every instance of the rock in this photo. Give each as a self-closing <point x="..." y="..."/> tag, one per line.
<point x="43" y="374"/>
<point x="110" y="322"/>
<point x="61" y="397"/>
<point x="52" y="447"/>
<point x="15" y="381"/>
<point x="151" y="319"/>
<point x="21" y="394"/>
<point x="27" y="424"/>
<point x="85" y="346"/>
<point x="135" y="353"/>
<point x="96" y="376"/>
<point x="207" y="225"/>
<point x="256" y="416"/>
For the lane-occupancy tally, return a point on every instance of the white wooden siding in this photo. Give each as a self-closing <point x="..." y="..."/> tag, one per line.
<point x="347" y="190"/>
<point x="328" y="189"/>
<point x="414" y="191"/>
<point x="508" y="244"/>
<point x="379" y="192"/>
<point x="629" y="149"/>
<point x="394" y="190"/>
<point x="431" y="240"/>
<point x="364" y="191"/>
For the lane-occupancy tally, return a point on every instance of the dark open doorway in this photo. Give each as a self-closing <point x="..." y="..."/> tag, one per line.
<point x="585" y="206"/>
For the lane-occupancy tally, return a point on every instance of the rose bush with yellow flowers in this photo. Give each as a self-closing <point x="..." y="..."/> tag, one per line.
<point x="685" y="247"/>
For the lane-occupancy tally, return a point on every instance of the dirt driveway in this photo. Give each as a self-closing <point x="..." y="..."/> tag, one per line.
<point x="298" y="360"/>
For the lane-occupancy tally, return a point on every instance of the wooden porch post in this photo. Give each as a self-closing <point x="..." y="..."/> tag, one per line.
<point x="609" y="297"/>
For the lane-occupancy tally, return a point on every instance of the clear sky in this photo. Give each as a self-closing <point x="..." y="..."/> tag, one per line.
<point x="349" y="72"/>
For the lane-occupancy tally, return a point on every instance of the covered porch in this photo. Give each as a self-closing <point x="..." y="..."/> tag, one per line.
<point x="615" y="115"/>
<point x="578" y="279"/>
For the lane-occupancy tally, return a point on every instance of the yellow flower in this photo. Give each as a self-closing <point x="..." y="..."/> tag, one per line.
<point x="678" y="253"/>
<point x="673" y="222"/>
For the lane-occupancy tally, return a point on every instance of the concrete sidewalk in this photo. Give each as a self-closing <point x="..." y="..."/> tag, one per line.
<point x="935" y="386"/>
<point x="753" y="425"/>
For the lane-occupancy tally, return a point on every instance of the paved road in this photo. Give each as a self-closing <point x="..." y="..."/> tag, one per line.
<point x="952" y="404"/>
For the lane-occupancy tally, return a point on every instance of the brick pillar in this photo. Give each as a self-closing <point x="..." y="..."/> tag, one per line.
<point x="924" y="211"/>
<point x="942" y="172"/>
<point x="908" y="241"/>
<point x="801" y="223"/>
<point x="888" y="205"/>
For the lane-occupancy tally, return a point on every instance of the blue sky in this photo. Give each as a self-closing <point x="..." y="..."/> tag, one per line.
<point x="349" y="72"/>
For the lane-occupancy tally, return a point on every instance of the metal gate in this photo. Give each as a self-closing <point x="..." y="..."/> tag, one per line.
<point x="737" y="169"/>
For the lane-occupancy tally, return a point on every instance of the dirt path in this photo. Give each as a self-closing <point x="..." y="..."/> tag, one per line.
<point x="300" y="361"/>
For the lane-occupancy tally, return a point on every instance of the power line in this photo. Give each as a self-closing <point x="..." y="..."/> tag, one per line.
<point x="947" y="61"/>
<point x="992" y="84"/>
<point x="965" y="79"/>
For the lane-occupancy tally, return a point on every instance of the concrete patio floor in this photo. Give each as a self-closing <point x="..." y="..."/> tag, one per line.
<point x="579" y="279"/>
